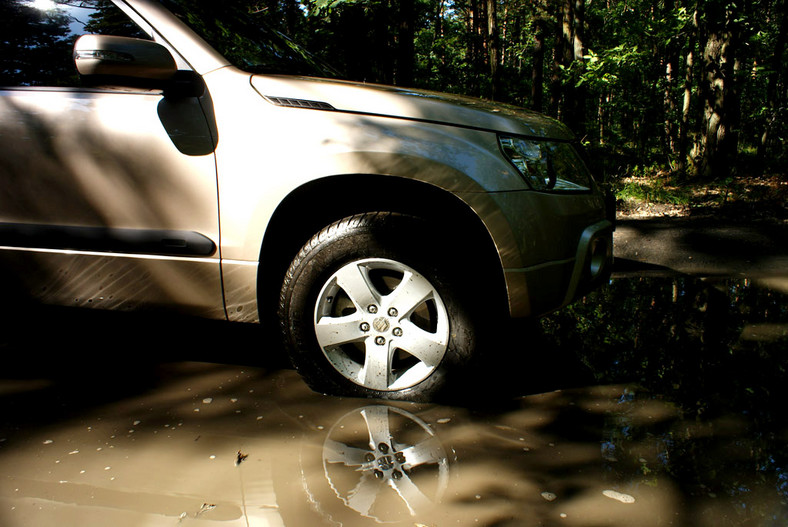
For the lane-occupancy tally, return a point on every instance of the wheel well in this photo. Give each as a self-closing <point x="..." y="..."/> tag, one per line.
<point x="319" y="203"/>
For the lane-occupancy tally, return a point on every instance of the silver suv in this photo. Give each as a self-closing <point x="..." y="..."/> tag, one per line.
<point x="178" y="154"/>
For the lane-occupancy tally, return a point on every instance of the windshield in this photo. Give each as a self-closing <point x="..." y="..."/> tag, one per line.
<point x="238" y="32"/>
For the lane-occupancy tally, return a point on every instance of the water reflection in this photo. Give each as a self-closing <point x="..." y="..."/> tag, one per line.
<point x="713" y="354"/>
<point x="385" y="463"/>
<point x="713" y="344"/>
<point x="680" y="422"/>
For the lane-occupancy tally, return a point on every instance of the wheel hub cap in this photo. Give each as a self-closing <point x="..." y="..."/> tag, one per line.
<point x="380" y="324"/>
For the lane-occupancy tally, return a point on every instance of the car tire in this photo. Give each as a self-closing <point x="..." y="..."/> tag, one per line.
<point x="371" y="307"/>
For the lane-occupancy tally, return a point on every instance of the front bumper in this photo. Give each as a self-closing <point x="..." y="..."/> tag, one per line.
<point x="539" y="289"/>
<point x="552" y="247"/>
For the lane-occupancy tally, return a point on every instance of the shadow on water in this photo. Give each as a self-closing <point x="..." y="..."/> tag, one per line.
<point x="653" y="401"/>
<point x="712" y="345"/>
<point x="77" y="359"/>
<point x="702" y="366"/>
<point x="712" y="350"/>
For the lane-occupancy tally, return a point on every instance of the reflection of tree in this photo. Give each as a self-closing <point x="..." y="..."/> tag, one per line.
<point x="108" y="20"/>
<point x="678" y="336"/>
<point x="239" y="33"/>
<point x="686" y="340"/>
<point x="35" y="47"/>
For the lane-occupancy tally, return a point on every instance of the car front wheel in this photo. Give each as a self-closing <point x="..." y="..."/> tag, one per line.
<point x="371" y="307"/>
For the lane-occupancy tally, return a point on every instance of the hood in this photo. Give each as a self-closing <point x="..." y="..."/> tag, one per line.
<point x="401" y="103"/>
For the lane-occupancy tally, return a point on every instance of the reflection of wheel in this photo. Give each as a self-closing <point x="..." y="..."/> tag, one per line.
<point x="400" y="468"/>
<point x="394" y="469"/>
<point x="369" y="307"/>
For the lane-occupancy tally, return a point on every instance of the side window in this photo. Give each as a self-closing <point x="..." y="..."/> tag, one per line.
<point x="37" y="37"/>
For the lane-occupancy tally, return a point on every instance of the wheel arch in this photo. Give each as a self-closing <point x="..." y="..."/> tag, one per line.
<point x="318" y="203"/>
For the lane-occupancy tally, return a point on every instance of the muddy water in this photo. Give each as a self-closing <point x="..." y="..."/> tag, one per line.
<point x="656" y="401"/>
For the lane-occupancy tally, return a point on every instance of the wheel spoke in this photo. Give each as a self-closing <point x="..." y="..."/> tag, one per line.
<point x="411" y="292"/>
<point x="428" y="347"/>
<point x="414" y="499"/>
<point x="354" y="280"/>
<point x="333" y="331"/>
<point x="364" y="495"/>
<point x="336" y="452"/>
<point x="376" y="373"/>
<point x="378" y="425"/>
<point x="428" y="451"/>
<point x="385" y="333"/>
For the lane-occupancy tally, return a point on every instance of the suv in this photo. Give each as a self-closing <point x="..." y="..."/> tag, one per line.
<point x="172" y="153"/>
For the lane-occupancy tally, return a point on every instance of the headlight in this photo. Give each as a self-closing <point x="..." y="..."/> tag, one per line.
<point x="547" y="165"/>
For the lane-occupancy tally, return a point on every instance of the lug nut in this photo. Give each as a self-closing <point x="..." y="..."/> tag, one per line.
<point x="383" y="447"/>
<point x="372" y="308"/>
<point x="380" y="341"/>
<point x="393" y="312"/>
<point x="396" y="474"/>
<point x="364" y="326"/>
<point x="397" y="332"/>
<point x="400" y="457"/>
<point x="378" y="474"/>
<point x="370" y="457"/>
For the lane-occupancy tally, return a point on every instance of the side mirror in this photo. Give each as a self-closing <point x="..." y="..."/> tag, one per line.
<point x="121" y="58"/>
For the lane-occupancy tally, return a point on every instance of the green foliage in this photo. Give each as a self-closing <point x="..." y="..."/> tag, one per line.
<point x="43" y="53"/>
<point x="626" y="94"/>
<point x="652" y="190"/>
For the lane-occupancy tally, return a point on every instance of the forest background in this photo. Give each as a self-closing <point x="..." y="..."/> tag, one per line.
<point x="676" y="101"/>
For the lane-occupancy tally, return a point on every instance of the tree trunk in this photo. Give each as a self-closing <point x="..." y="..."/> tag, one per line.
<point x="406" y="51"/>
<point x="537" y="71"/>
<point x="493" y="51"/>
<point x="683" y="148"/>
<point x="720" y="94"/>
<point x="573" y="49"/>
<point x="773" y="96"/>
<point x="669" y="106"/>
<point x="556" y="86"/>
<point x="579" y="46"/>
<point x="475" y="46"/>
<point x="689" y="76"/>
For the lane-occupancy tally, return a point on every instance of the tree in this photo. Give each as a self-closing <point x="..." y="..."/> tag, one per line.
<point x="723" y="31"/>
<point x="678" y="85"/>
<point x="773" y="113"/>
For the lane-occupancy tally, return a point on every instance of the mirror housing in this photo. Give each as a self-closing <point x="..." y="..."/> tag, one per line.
<point x="135" y="60"/>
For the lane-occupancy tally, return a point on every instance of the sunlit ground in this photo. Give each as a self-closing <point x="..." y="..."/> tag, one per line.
<point x="655" y="401"/>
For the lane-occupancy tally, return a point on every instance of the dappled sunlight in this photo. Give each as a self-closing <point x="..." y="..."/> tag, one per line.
<point x="658" y="504"/>
<point x="123" y="283"/>
<point x="95" y="172"/>
<point x="93" y="176"/>
<point x="668" y="429"/>
<point x="249" y="445"/>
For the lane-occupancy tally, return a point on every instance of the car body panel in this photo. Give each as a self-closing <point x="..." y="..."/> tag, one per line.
<point x="534" y="259"/>
<point x="82" y="170"/>
<point x="122" y="282"/>
<point x="445" y="140"/>
<point x="327" y="144"/>
<point x="119" y="167"/>
<point x="418" y="105"/>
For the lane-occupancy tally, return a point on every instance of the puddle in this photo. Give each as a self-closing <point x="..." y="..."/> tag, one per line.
<point x="679" y="421"/>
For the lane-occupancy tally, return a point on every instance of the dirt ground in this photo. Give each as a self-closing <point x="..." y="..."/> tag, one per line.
<point x="707" y="246"/>
<point x="763" y="198"/>
<point x="740" y="229"/>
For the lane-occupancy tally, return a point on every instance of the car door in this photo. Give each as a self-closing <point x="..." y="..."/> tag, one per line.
<point x="108" y="194"/>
